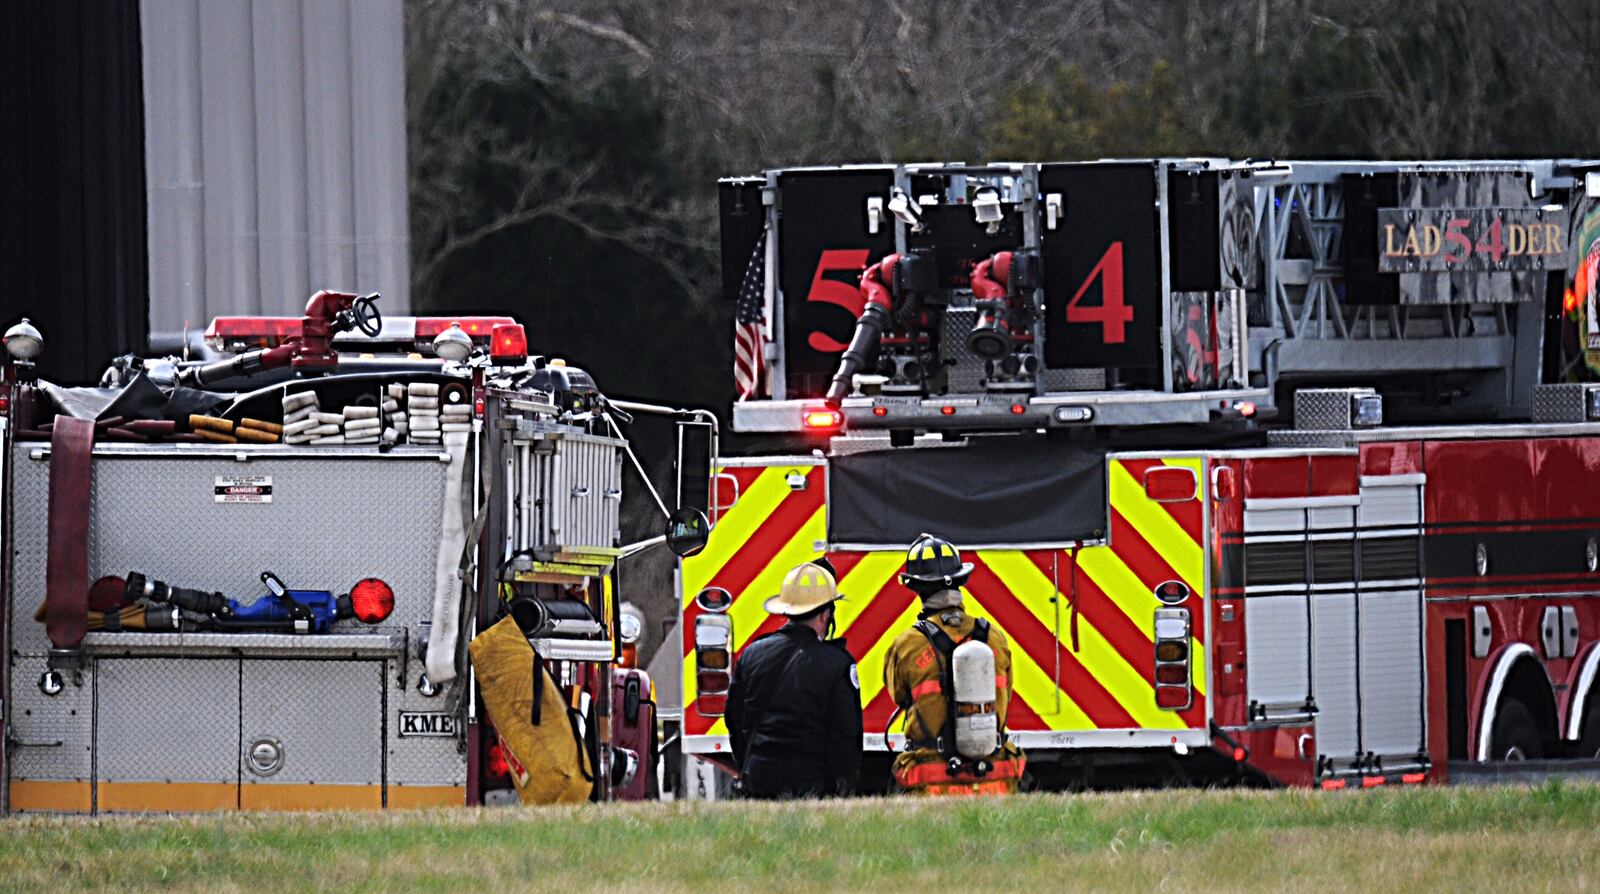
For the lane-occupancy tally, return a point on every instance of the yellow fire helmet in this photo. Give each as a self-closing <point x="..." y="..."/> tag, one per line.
<point x="807" y="588"/>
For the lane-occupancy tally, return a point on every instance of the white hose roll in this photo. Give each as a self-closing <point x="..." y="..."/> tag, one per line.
<point x="454" y="427"/>
<point x="300" y="415"/>
<point x="390" y="405"/>
<point x="302" y="399"/>
<point x="360" y="425"/>
<point x="328" y="418"/>
<point x="441" y="657"/>
<point x="358" y="412"/>
<point x="298" y="426"/>
<point x="424" y="423"/>
<point x="397" y="391"/>
<point x="423" y="389"/>
<point x="328" y="439"/>
<point x="391" y="435"/>
<point x="423" y="403"/>
<point x="325" y="428"/>
<point x="977" y="724"/>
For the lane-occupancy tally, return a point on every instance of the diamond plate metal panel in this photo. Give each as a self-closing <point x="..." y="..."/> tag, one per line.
<point x="167" y="720"/>
<point x="39" y="721"/>
<point x="416" y="760"/>
<point x="333" y="521"/>
<point x="1562" y="402"/>
<point x="1333" y="673"/>
<point x="327" y="714"/>
<point x="1391" y="672"/>
<point x="1323" y="409"/>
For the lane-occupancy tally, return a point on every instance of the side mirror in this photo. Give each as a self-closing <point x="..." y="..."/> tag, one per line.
<point x="688" y="529"/>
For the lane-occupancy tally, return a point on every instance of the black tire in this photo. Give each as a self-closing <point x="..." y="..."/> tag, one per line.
<point x="1589" y="729"/>
<point x="1515" y="735"/>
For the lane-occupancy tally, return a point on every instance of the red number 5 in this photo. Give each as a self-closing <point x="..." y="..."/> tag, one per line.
<point x="1113" y="314"/>
<point x="838" y="293"/>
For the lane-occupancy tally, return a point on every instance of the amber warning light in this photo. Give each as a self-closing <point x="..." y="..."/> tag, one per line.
<point x="823" y="420"/>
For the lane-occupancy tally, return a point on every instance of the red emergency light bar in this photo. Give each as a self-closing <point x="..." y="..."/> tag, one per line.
<point x="234" y="334"/>
<point x="229" y="333"/>
<point x="479" y="328"/>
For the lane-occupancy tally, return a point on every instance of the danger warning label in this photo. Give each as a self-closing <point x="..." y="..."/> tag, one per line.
<point x="244" y="489"/>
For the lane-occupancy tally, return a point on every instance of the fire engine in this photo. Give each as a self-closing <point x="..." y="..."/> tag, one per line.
<point x="1275" y="471"/>
<point x="291" y="542"/>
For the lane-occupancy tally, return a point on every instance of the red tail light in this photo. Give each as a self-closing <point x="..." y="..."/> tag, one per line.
<point x="1330" y="785"/>
<point x="713" y="681"/>
<point x="1172" y="674"/>
<point x="508" y="344"/>
<point x="1239" y="755"/>
<point x="497" y="765"/>
<point x="1172" y="696"/>
<point x="1413" y="778"/>
<point x="1371" y="781"/>
<point x="711" y="705"/>
<point x="821" y="420"/>
<point x="371" y="600"/>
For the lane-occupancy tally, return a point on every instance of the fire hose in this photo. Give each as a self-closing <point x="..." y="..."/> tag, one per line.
<point x="870" y="326"/>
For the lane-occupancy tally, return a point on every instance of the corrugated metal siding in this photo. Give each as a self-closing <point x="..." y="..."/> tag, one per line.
<point x="275" y="147"/>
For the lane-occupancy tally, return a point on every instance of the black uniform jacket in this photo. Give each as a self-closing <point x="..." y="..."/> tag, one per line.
<point x="794" y="715"/>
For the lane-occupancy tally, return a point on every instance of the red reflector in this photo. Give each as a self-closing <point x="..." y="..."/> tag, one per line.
<point x="509" y="342"/>
<point x="823" y="419"/>
<point x="1018" y="409"/>
<point x="712" y="681"/>
<point x="5" y="404"/>
<point x="498" y="766"/>
<point x="1413" y="778"/>
<point x="1173" y="674"/>
<point x="948" y="410"/>
<point x="371" y="600"/>
<point x="880" y="411"/>
<point x="477" y="408"/>
<point x="1172" y="696"/>
<point x="1371" y="781"/>
<point x="1170" y="484"/>
<point x="1239" y="754"/>
<point x="1329" y="785"/>
<point x="711" y="705"/>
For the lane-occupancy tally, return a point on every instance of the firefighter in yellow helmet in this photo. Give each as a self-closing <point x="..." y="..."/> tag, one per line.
<point x="794" y="708"/>
<point x="951" y="676"/>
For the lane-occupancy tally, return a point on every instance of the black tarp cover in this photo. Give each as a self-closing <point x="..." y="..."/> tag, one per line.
<point x="989" y="492"/>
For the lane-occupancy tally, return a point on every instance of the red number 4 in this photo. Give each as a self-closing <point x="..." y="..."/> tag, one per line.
<point x="1113" y="314"/>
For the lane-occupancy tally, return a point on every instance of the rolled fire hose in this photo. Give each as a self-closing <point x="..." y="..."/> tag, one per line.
<point x="445" y="630"/>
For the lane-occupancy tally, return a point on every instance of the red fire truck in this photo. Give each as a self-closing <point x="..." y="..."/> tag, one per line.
<point x="396" y="485"/>
<point x="1281" y="471"/>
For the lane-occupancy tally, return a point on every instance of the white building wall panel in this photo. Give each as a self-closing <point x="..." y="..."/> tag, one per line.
<point x="275" y="155"/>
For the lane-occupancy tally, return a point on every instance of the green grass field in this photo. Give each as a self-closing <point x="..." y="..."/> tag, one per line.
<point x="1423" y="839"/>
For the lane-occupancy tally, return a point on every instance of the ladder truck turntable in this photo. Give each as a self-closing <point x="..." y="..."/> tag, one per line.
<point x="1281" y="471"/>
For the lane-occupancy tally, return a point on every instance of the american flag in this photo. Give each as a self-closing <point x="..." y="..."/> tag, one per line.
<point x="747" y="341"/>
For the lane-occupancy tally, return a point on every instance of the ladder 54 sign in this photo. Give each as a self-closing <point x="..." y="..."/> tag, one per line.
<point x="1472" y="239"/>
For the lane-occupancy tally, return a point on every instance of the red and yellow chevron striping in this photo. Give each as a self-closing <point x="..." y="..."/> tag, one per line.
<point x="1081" y="621"/>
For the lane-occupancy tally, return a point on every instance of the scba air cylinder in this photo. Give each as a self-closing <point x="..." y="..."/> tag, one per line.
<point x="977" y="724"/>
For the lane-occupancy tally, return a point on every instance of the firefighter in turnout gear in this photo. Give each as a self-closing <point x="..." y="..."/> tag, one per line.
<point x="950" y="675"/>
<point x="794" y="707"/>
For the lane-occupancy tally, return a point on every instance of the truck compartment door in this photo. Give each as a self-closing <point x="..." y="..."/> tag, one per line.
<point x="1277" y="616"/>
<point x="166" y="735"/>
<point x="311" y="734"/>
